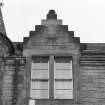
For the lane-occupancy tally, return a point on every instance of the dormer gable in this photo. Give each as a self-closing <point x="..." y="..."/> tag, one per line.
<point x="51" y="34"/>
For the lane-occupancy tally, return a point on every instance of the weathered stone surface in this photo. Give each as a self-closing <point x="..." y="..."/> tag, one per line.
<point x="92" y="84"/>
<point x="13" y="80"/>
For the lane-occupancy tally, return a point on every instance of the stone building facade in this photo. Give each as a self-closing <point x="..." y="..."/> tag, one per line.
<point x="51" y="67"/>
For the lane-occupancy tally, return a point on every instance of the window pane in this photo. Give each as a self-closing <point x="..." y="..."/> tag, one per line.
<point x="42" y="66"/>
<point x="39" y="85"/>
<point x="39" y="94"/>
<point x="63" y="85"/>
<point x="63" y="94"/>
<point x="39" y="74"/>
<point x="63" y="74"/>
<point x="62" y="59"/>
<point x="63" y="66"/>
<point x="40" y="59"/>
<point x="39" y="71"/>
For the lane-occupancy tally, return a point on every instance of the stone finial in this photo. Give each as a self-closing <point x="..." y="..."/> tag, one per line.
<point x="51" y="14"/>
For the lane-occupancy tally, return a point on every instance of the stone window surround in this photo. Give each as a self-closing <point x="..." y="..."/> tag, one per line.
<point x="51" y="75"/>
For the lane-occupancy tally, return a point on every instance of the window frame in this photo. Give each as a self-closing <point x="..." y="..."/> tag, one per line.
<point x="71" y="65"/>
<point x="46" y="79"/>
<point x="51" y="95"/>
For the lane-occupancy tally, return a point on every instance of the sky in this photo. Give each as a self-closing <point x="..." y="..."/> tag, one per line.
<point x="85" y="17"/>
